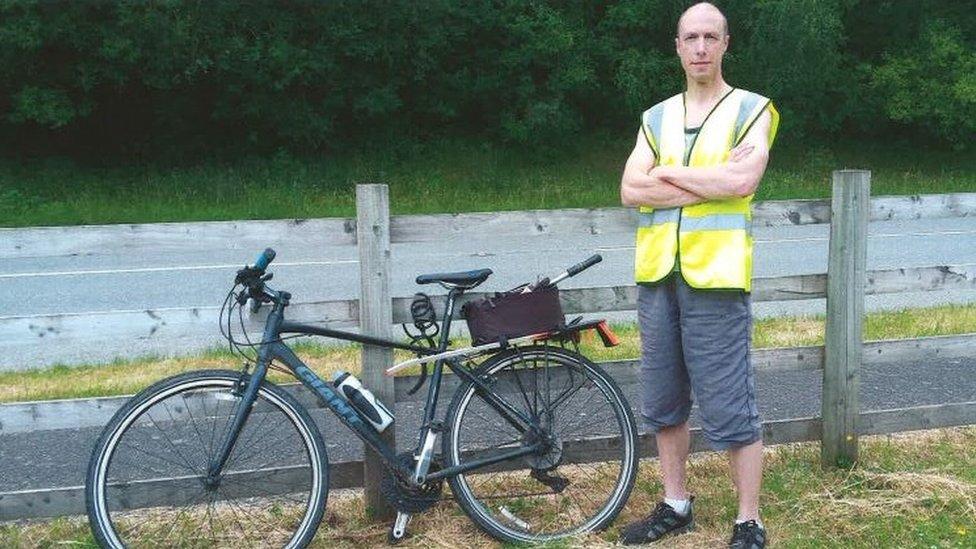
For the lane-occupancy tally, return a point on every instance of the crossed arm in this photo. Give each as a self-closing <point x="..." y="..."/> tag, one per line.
<point x="644" y="184"/>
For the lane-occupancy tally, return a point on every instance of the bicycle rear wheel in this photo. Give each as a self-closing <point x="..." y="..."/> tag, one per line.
<point x="582" y="475"/>
<point x="147" y="487"/>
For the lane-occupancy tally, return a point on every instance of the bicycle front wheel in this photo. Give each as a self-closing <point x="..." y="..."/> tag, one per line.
<point x="147" y="482"/>
<point x="582" y="473"/>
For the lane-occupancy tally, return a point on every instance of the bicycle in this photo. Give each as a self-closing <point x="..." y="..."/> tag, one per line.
<point x="221" y="457"/>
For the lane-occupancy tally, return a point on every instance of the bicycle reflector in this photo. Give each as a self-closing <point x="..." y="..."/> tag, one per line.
<point x="606" y="334"/>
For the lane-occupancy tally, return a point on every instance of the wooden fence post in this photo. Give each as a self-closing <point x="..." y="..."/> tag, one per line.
<point x="846" y="268"/>
<point x="375" y="319"/>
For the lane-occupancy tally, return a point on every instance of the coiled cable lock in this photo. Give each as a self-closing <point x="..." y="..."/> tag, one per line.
<point x="425" y="321"/>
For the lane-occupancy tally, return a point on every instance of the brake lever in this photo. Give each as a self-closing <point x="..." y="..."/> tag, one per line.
<point x="245" y="274"/>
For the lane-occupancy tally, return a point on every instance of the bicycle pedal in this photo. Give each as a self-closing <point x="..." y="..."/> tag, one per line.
<point x="398" y="531"/>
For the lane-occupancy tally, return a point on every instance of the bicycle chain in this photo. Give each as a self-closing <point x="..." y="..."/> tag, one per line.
<point x="409" y="499"/>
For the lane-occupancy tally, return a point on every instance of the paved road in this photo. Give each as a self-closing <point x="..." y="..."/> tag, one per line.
<point x="150" y="280"/>
<point x="59" y="458"/>
<point x="147" y="280"/>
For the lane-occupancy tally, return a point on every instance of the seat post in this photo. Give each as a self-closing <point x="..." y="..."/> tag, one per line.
<point x="453" y="293"/>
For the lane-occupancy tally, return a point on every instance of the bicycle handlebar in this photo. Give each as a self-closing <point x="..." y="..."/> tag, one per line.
<point x="264" y="259"/>
<point x="253" y="278"/>
<point x="572" y="271"/>
<point x="585" y="264"/>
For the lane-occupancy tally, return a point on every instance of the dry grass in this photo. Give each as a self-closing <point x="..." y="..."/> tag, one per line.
<point x="128" y="377"/>
<point x="788" y="332"/>
<point x="909" y="490"/>
<point x="884" y="493"/>
<point x="809" y="330"/>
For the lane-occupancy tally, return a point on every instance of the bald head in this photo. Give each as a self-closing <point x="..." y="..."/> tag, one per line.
<point x="704" y="11"/>
<point x="703" y="38"/>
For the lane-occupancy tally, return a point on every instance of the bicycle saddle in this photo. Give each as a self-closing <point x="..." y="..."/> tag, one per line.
<point x="465" y="279"/>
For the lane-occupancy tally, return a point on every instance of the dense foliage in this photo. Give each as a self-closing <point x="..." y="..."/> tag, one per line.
<point x="228" y="76"/>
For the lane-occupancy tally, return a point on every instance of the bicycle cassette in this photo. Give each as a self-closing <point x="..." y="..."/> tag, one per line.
<point x="410" y="499"/>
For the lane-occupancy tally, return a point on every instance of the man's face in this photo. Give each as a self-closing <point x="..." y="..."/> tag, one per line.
<point x="701" y="43"/>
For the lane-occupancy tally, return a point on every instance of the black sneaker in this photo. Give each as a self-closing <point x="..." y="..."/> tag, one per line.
<point x="663" y="521"/>
<point x="748" y="535"/>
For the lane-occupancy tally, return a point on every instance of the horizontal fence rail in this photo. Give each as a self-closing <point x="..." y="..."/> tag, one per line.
<point x="173" y="323"/>
<point x="71" y="500"/>
<point x="180" y="238"/>
<point x="248" y="236"/>
<point x="21" y="417"/>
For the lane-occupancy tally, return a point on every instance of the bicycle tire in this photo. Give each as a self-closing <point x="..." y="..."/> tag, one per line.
<point x="127" y="512"/>
<point x="516" y="518"/>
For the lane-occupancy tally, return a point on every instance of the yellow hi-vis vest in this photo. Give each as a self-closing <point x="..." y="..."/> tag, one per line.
<point x="712" y="241"/>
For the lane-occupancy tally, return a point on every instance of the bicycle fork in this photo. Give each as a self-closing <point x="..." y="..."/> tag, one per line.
<point x="253" y="383"/>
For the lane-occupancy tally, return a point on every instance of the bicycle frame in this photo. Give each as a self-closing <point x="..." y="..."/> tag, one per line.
<point x="272" y="348"/>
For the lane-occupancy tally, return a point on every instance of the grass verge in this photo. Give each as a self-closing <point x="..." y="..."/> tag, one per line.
<point x="130" y="376"/>
<point x="909" y="490"/>
<point x="443" y="176"/>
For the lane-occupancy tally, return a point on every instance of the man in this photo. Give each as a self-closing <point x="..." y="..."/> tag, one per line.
<point x="697" y="162"/>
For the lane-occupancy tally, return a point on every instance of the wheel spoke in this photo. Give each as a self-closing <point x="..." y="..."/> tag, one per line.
<point x="145" y="466"/>
<point x="574" y="400"/>
<point x="193" y="422"/>
<point x="255" y="507"/>
<point x="245" y="438"/>
<point x="262" y="445"/>
<point x="518" y="379"/>
<point x="169" y="441"/>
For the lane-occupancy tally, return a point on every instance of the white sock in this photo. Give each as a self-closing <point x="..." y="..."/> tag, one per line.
<point x="680" y="506"/>
<point x="759" y="522"/>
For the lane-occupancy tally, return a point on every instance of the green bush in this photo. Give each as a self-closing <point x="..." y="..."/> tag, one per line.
<point x="944" y="106"/>
<point x="189" y="77"/>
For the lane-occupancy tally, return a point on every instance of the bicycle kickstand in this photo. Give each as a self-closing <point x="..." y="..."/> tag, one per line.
<point x="399" y="529"/>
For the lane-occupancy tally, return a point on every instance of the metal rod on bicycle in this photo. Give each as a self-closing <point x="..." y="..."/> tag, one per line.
<point x="462" y="352"/>
<point x="572" y="271"/>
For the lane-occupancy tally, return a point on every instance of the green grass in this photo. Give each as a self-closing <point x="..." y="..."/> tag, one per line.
<point x="908" y="490"/>
<point x="129" y="376"/>
<point x="440" y="176"/>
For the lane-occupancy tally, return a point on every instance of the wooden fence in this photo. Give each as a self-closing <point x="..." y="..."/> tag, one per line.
<point x="46" y="336"/>
<point x="844" y="287"/>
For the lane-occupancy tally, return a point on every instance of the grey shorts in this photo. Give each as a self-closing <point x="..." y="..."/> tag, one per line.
<point x="698" y="341"/>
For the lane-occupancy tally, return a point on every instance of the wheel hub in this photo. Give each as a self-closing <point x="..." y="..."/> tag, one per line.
<point x="550" y="453"/>
<point x="211" y="483"/>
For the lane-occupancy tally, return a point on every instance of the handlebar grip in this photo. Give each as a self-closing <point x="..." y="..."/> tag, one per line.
<point x="585" y="264"/>
<point x="264" y="259"/>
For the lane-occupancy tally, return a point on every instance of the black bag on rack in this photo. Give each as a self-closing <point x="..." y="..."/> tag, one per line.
<point x="509" y="315"/>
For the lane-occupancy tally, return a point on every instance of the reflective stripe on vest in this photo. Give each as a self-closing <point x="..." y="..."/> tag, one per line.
<point x="717" y="222"/>
<point x="659" y="217"/>
<point x="712" y="240"/>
